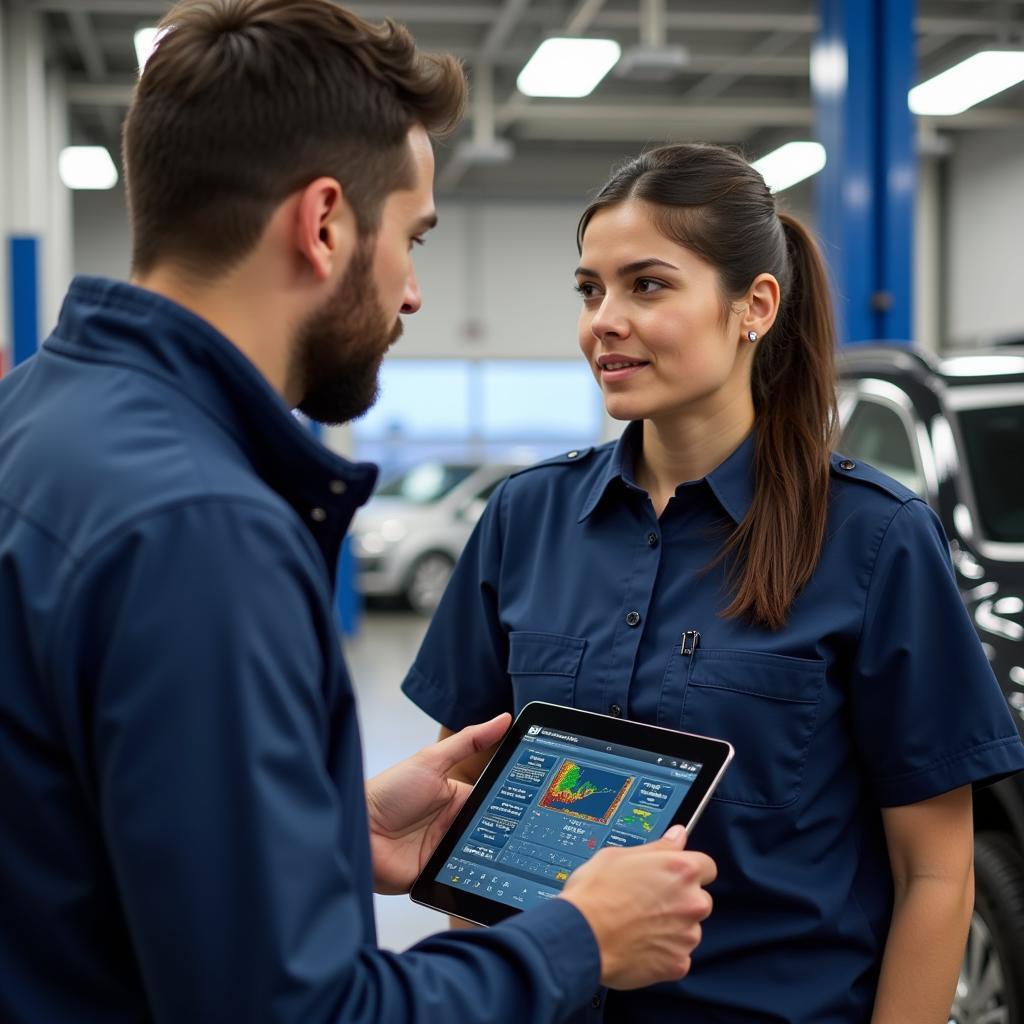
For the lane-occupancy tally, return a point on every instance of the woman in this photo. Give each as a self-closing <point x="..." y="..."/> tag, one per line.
<point x="721" y="571"/>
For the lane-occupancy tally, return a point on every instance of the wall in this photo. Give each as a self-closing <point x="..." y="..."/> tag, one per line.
<point x="496" y="277"/>
<point x="985" y="232"/>
<point x="101" y="236"/>
<point x="34" y="203"/>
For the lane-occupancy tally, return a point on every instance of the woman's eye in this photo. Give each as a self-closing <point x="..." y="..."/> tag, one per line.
<point x="646" y="285"/>
<point x="586" y="289"/>
<point x="415" y="240"/>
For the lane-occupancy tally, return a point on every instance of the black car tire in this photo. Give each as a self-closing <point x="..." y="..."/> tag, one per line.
<point x="997" y="934"/>
<point x="427" y="580"/>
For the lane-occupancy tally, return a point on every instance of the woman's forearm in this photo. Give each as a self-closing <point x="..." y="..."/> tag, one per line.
<point x="924" y="949"/>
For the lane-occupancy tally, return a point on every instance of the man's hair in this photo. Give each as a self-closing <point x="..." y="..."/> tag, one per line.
<point x="245" y="101"/>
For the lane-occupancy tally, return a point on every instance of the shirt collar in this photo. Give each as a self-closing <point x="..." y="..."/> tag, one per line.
<point x="731" y="482"/>
<point x="113" y="322"/>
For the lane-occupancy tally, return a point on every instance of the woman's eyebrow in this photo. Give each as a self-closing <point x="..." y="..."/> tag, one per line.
<point x="628" y="268"/>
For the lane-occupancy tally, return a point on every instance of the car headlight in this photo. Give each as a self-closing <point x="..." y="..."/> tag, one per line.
<point x="376" y="542"/>
<point x="370" y="543"/>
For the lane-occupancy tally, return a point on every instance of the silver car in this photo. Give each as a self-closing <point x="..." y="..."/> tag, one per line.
<point x="408" y="537"/>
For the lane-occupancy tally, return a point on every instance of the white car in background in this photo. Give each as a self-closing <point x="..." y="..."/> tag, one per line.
<point x="409" y="536"/>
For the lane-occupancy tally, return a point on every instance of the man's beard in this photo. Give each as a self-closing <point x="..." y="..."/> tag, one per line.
<point x="339" y="348"/>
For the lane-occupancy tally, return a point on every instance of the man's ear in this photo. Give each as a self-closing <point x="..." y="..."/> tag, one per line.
<point x="325" y="228"/>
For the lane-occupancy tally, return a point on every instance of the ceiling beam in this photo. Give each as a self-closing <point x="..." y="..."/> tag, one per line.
<point x="88" y="45"/>
<point x="757" y="19"/>
<point x="116" y="93"/>
<point x="503" y="27"/>
<point x="95" y="63"/>
<point x="729" y="73"/>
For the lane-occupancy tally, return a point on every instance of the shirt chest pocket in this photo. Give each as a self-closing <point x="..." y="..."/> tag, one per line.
<point x="766" y="706"/>
<point x="543" y="666"/>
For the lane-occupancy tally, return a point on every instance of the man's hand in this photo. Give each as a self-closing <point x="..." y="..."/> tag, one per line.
<point x="412" y="804"/>
<point x="645" y="905"/>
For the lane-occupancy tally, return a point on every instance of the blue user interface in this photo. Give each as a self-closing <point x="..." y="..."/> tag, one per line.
<point x="561" y="798"/>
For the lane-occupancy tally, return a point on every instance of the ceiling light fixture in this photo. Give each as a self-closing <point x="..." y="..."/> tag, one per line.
<point x="969" y="82"/>
<point x="86" y="167"/>
<point x="790" y="164"/>
<point x="568" y="67"/>
<point x="146" y="40"/>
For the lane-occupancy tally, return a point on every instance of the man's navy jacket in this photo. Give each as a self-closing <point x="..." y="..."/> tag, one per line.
<point x="183" y="832"/>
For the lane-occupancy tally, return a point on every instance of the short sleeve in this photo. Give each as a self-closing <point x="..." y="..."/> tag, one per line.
<point x="929" y="716"/>
<point x="460" y="674"/>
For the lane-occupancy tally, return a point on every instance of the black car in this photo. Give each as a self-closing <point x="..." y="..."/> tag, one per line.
<point x="952" y="429"/>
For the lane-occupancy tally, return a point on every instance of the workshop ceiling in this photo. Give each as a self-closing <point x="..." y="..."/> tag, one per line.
<point x="746" y="81"/>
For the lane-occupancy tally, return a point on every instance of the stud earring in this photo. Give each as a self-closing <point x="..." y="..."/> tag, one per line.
<point x="751" y="336"/>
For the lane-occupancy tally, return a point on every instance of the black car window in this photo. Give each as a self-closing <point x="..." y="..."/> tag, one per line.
<point x="876" y="434"/>
<point x="993" y="443"/>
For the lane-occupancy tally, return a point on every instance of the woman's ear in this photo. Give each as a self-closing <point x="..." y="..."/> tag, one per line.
<point x="762" y="302"/>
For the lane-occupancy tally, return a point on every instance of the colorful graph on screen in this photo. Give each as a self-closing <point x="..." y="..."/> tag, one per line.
<point x="587" y="792"/>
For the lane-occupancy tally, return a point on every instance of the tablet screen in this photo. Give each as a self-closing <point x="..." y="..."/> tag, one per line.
<point x="560" y="799"/>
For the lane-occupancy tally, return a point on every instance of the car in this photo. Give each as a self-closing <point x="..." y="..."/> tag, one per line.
<point x="951" y="428"/>
<point x="409" y="536"/>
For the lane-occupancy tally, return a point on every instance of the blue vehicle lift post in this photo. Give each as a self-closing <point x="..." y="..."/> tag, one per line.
<point x="862" y="67"/>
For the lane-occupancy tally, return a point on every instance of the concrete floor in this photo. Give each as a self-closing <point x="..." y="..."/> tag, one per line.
<point x="393" y="728"/>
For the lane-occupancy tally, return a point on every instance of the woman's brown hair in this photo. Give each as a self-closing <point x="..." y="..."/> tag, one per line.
<point x="712" y="202"/>
<point x="245" y="101"/>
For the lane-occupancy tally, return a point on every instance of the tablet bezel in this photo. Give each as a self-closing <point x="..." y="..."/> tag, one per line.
<point x="714" y="756"/>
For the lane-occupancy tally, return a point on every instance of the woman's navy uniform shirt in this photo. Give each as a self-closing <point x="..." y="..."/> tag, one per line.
<point x="876" y="693"/>
<point x="183" y="833"/>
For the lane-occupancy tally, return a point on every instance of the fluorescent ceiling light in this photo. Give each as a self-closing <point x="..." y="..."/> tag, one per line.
<point x="790" y="163"/>
<point x="145" y="43"/>
<point x="87" y="167"/>
<point x="969" y="82"/>
<point x="568" y="67"/>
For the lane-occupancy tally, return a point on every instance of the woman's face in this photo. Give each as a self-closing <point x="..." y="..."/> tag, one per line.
<point x="652" y="325"/>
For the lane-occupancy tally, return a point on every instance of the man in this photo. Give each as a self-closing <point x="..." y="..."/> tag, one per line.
<point x="184" y="834"/>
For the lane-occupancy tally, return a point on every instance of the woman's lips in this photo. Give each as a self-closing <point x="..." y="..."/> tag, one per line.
<point x="613" y="370"/>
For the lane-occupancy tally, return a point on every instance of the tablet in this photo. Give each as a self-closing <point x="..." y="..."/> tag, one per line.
<point x="562" y="785"/>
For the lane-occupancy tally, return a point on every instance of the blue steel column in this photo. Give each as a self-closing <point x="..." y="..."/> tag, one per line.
<point x="26" y="176"/>
<point x="23" y="267"/>
<point x="348" y="602"/>
<point x="862" y="68"/>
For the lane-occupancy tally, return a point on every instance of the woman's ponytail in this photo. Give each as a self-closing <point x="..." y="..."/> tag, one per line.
<point x="776" y="547"/>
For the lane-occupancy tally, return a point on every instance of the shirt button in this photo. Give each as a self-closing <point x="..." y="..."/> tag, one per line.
<point x="596" y="1002"/>
<point x="847" y="465"/>
<point x="615" y="711"/>
<point x="652" y="540"/>
<point x="318" y="515"/>
<point x="573" y="454"/>
<point x="632" y="618"/>
<point x="338" y="487"/>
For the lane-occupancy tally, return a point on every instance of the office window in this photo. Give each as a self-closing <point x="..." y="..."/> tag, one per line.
<point x="419" y="398"/>
<point x="538" y="401"/>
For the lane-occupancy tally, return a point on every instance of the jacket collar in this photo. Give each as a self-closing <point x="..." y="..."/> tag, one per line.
<point x="107" y="321"/>
<point x="731" y="482"/>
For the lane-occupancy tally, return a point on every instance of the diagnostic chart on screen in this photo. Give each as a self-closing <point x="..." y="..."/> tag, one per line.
<point x="561" y="799"/>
